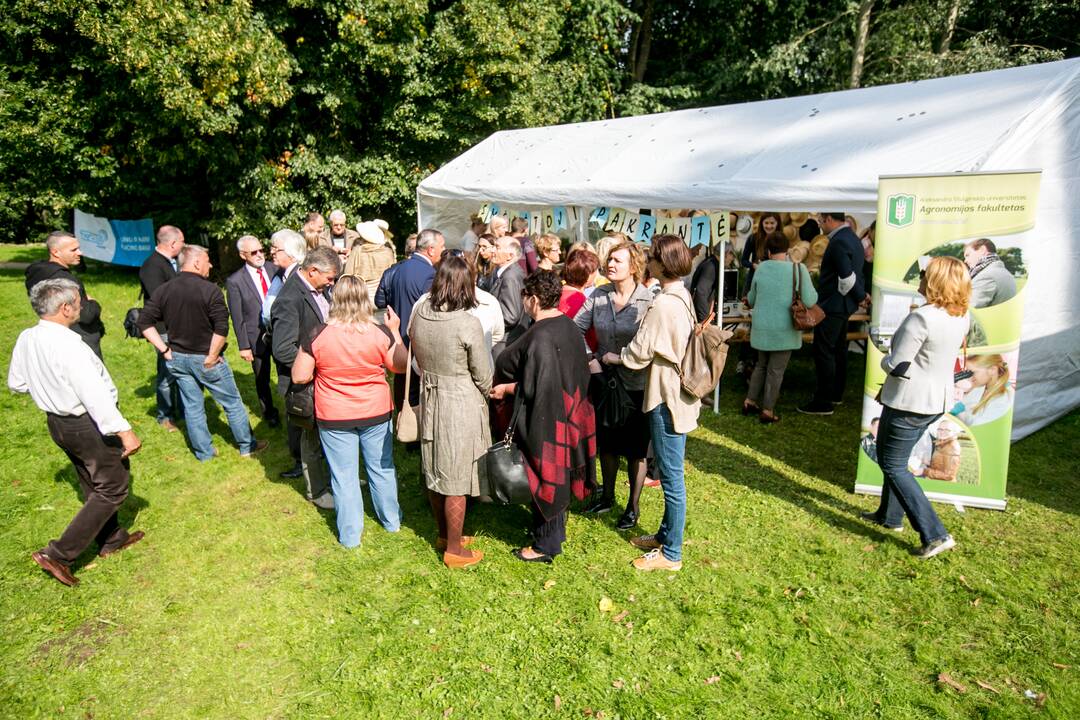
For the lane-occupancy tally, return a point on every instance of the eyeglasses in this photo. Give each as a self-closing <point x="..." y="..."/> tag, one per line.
<point x="257" y="251"/>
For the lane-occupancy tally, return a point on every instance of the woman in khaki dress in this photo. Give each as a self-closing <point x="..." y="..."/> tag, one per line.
<point x="455" y="364"/>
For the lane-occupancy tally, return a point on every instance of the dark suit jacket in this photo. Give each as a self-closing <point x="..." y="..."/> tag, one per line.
<point x="90" y="328"/>
<point x="245" y="307"/>
<point x="507" y="289"/>
<point x="156" y="270"/>
<point x="409" y="281"/>
<point x="843" y="256"/>
<point x="295" y="315"/>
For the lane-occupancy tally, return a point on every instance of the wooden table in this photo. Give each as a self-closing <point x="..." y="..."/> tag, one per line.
<point x="740" y="325"/>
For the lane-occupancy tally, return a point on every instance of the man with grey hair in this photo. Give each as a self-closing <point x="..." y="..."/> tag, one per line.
<point x="411" y="279"/>
<point x="159" y="268"/>
<point x="338" y="235"/>
<point x="507" y="284"/>
<point x="298" y="313"/>
<point x="196" y="318"/>
<point x="64" y="253"/>
<point x="71" y="386"/>
<point x="247" y="289"/>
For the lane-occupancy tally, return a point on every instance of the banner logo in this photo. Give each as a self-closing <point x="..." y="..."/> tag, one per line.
<point x="901" y="210"/>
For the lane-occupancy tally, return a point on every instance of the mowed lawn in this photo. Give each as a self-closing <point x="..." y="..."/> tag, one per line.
<point x="240" y="604"/>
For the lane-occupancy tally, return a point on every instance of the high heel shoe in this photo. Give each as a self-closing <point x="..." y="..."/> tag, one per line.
<point x="768" y="419"/>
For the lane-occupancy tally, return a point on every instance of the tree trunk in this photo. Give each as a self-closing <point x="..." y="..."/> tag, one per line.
<point x="950" y="27"/>
<point x="642" y="43"/>
<point x="862" y="35"/>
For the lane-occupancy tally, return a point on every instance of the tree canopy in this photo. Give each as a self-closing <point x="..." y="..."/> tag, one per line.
<point x="227" y="117"/>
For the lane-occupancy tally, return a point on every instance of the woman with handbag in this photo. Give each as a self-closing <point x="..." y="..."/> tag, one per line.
<point x="658" y="349"/>
<point x="547" y="368"/>
<point x="918" y="390"/>
<point x="614" y="313"/>
<point x="348" y="360"/>
<point x="777" y="282"/>
<point x="455" y="365"/>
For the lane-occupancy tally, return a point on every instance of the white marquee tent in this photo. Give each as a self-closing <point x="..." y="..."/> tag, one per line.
<point x="821" y="153"/>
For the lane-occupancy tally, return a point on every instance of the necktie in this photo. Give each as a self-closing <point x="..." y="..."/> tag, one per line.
<point x="262" y="279"/>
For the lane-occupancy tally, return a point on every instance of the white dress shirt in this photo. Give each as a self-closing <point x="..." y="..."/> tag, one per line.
<point x="256" y="273"/>
<point x="64" y="376"/>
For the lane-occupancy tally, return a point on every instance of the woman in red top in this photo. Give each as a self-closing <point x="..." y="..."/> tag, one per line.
<point x="348" y="360"/>
<point x="577" y="274"/>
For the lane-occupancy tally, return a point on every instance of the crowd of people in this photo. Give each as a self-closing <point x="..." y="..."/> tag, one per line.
<point x="576" y="354"/>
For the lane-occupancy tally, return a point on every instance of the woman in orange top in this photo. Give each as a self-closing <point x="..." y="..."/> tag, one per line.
<point x="348" y="360"/>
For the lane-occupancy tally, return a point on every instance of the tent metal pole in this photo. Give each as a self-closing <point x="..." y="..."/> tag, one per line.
<point x="719" y="310"/>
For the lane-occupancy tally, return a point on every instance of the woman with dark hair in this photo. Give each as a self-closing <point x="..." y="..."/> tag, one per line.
<point x="753" y="253"/>
<point x="485" y="254"/>
<point x="455" y="365"/>
<point x="772" y="333"/>
<point x="614" y="313"/>
<point x="547" y="370"/>
<point x="658" y="348"/>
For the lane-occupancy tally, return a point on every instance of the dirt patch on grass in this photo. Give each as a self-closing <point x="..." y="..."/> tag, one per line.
<point x="82" y="643"/>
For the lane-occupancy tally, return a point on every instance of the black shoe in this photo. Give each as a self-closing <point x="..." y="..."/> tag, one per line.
<point x="872" y="517"/>
<point x="294" y="472"/>
<point x="546" y="559"/>
<point x="273" y="421"/>
<point x="602" y="505"/>
<point x="628" y="520"/>
<point x="812" y="408"/>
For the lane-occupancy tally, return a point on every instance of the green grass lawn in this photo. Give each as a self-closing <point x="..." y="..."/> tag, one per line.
<point x="240" y="604"/>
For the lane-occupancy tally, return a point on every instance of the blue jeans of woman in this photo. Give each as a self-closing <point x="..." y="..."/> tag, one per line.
<point x="669" y="452"/>
<point x="343" y="449"/>
<point x="898" y="431"/>
<point x="191" y="377"/>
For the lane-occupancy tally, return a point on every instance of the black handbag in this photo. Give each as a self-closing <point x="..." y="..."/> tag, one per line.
<point x="613" y="404"/>
<point x="300" y="405"/>
<point x="131" y="323"/>
<point x="502" y="467"/>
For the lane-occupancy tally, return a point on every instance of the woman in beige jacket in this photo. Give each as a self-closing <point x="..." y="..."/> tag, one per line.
<point x="659" y="345"/>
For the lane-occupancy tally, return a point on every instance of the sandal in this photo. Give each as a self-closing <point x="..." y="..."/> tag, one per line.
<point x="768" y="419"/>
<point x="540" y="558"/>
<point x="749" y="408"/>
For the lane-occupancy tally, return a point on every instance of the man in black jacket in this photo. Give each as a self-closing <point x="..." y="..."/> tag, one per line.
<point x="507" y="282"/>
<point x="159" y="268"/>
<point x="840" y="292"/>
<point x="247" y="289"/>
<point x="300" y="310"/>
<point x="64" y="253"/>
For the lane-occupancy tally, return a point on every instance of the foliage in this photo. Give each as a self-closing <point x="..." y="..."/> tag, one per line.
<point x="240" y="604"/>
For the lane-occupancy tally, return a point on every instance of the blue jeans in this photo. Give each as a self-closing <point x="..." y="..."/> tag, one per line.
<point x="168" y="400"/>
<point x="898" y="431"/>
<point x="342" y="449"/>
<point x="669" y="452"/>
<point x="191" y="377"/>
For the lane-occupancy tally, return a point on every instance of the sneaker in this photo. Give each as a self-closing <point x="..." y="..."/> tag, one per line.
<point x="627" y="521"/>
<point x="259" y="446"/>
<point x="324" y="501"/>
<point x="646" y="542"/>
<point x="936" y="547"/>
<point x="815" y="409"/>
<point x="872" y="517"/>
<point x="602" y="505"/>
<point x="655" y="560"/>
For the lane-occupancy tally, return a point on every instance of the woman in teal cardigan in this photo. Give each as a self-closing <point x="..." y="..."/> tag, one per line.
<point x="772" y="333"/>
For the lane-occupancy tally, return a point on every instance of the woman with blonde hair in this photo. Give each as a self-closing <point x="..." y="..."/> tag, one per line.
<point x="347" y="360"/>
<point x="988" y="392"/>
<point x="548" y="248"/>
<point x="918" y="390"/>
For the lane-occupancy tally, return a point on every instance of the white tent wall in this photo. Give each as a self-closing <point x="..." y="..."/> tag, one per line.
<point x="821" y="153"/>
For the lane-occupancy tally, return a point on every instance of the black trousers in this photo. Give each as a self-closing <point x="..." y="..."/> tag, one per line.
<point x="830" y="359"/>
<point x="548" y="535"/>
<point x="103" y="477"/>
<point x="261" y="365"/>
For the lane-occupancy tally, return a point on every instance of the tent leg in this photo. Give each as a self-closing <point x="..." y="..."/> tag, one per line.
<point x="716" y="399"/>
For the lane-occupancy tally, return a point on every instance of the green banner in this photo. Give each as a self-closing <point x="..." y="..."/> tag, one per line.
<point x="986" y="220"/>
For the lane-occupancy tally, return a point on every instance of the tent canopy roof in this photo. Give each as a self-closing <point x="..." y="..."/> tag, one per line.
<point x="817" y="152"/>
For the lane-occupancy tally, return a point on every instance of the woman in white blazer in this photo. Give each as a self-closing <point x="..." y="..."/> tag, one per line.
<point x="918" y="389"/>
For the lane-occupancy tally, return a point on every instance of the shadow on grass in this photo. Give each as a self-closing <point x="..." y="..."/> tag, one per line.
<point x="126" y="515"/>
<point x="1044" y="468"/>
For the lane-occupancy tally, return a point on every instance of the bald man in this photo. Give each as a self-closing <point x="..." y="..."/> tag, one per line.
<point x="64" y="254"/>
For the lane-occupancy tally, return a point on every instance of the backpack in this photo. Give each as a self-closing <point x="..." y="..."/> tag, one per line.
<point x="706" y="353"/>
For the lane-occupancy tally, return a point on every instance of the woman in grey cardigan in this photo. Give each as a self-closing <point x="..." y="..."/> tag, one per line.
<point x="455" y="363"/>
<point x="918" y="390"/>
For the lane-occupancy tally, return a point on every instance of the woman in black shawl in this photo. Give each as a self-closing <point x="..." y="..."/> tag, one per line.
<point x="556" y="429"/>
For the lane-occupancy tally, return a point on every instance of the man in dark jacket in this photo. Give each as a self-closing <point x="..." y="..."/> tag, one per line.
<point x="64" y="254"/>
<point x="159" y="268"/>
<point x="840" y="292"/>
<point x="300" y="310"/>
<point x="247" y="289"/>
<point x="507" y="282"/>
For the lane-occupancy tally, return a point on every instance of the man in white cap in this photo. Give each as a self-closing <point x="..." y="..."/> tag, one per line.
<point x="371" y="255"/>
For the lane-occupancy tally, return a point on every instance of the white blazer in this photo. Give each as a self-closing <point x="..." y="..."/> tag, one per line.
<point x="930" y="339"/>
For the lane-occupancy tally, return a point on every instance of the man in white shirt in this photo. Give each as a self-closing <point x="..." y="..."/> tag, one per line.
<point x="70" y="384"/>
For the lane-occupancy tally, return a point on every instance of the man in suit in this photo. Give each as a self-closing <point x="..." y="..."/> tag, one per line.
<point x="247" y="288"/>
<point x="64" y="253"/>
<point x="507" y="282"/>
<point x="840" y="293"/>
<point x="299" y="311"/>
<point x="411" y="279"/>
<point x="159" y="268"/>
